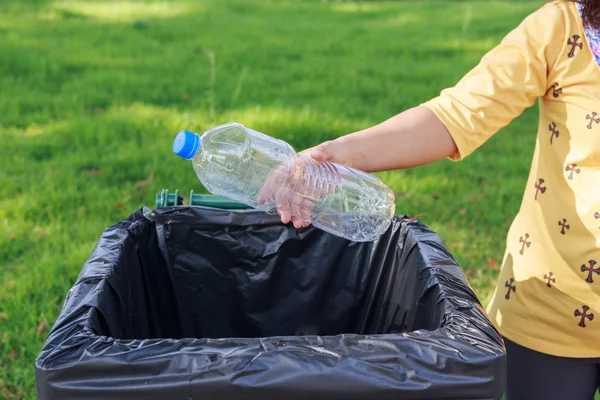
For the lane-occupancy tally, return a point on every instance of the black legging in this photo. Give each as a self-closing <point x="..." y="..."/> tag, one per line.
<point x="533" y="376"/>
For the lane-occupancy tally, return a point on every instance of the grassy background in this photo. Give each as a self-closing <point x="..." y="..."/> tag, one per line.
<point x="93" y="92"/>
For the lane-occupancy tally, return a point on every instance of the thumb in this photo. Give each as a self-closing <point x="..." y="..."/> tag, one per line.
<point x="320" y="153"/>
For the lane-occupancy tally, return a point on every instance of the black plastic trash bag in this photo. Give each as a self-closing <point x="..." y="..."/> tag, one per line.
<point x="197" y="303"/>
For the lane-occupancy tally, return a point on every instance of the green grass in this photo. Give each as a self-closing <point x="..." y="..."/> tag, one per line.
<point x="93" y="92"/>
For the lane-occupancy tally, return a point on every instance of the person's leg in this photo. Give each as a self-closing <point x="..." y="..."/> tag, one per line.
<point x="532" y="375"/>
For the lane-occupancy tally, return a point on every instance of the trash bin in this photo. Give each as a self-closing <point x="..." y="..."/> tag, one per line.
<point x="194" y="302"/>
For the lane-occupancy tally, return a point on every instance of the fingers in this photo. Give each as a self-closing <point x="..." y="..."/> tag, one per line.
<point x="289" y="210"/>
<point x="268" y="188"/>
<point x="265" y="192"/>
<point x="298" y="223"/>
<point x="274" y="180"/>
<point x="286" y="217"/>
<point x="282" y="200"/>
<point x="290" y="190"/>
<point x="293" y="207"/>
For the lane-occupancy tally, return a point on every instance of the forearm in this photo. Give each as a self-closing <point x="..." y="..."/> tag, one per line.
<point x="412" y="138"/>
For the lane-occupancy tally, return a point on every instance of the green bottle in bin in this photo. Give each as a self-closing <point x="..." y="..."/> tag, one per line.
<point x="166" y="199"/>
<point x="265" y="173"/>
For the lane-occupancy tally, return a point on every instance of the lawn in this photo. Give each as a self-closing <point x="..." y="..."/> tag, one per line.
<point x="93" y="92"/>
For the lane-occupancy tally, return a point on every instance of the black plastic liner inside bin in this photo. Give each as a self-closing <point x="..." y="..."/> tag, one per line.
<point x="199" y="303"/>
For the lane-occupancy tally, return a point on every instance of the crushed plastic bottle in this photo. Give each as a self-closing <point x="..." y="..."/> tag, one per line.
<point x="265" y="173"/>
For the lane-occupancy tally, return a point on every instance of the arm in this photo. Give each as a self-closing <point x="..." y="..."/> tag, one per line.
<point x="412" y="138"/>
<point x="508" y="80"/>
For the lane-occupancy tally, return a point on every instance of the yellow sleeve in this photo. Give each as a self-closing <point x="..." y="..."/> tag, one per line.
<point x="508" y="80"/>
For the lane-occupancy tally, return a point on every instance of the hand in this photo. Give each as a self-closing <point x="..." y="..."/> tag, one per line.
<point x="291" y="188"/>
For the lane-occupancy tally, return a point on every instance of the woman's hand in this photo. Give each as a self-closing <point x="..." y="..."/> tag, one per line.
<point x="291" y="188"/>
<point x="412" y="138"/>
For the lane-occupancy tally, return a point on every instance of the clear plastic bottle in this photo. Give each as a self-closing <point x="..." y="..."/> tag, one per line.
<point x="265" y="173"/>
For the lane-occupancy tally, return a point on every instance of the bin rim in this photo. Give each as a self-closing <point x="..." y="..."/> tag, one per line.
<point x="465" y="330"/>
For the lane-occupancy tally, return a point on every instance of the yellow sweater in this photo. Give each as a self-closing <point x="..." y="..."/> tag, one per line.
<point x="548" y="292"/>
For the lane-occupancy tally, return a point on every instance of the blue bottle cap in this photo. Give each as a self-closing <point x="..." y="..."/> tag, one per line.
<point x="186" y="144"/>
